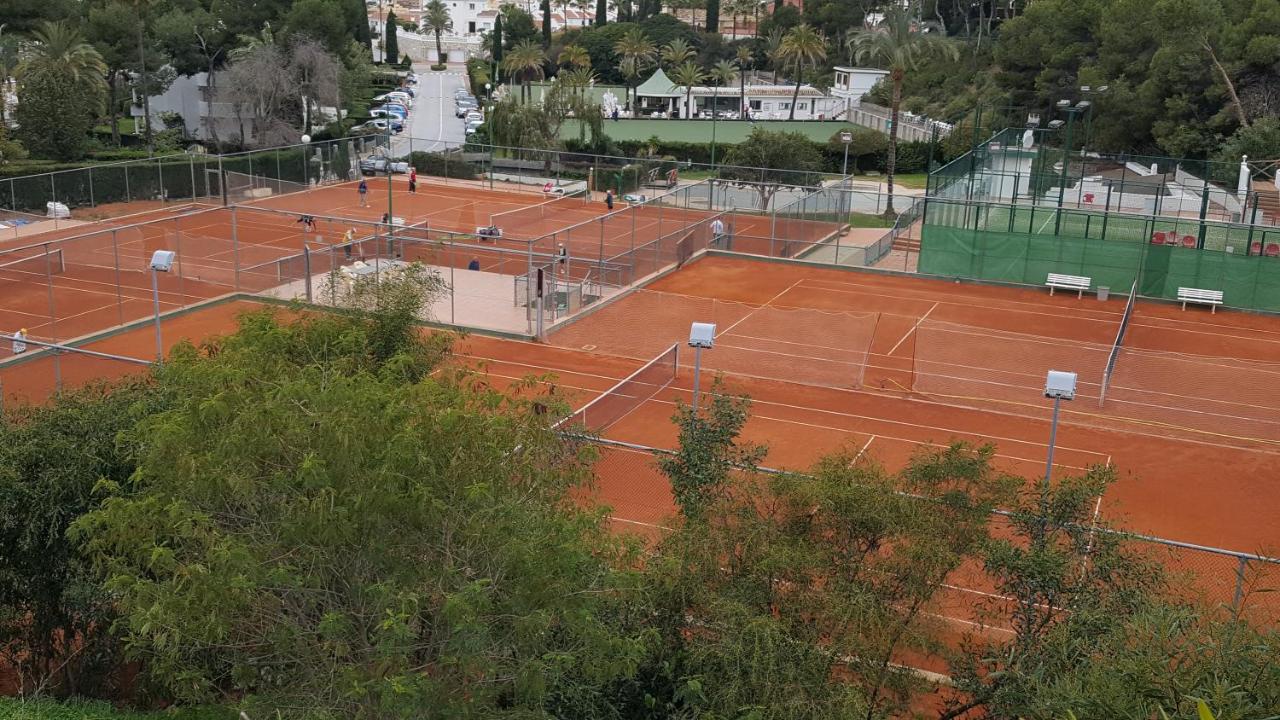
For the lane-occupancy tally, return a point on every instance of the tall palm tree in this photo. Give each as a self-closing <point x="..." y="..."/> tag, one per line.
<point x="60" y="46"/>
<point x="636" y="52"/>
<point x="687" y="74"/>
<point x="578" y="78"/>
<point x="899" y="44"/>
<point x="246" y="45"/>
<point x="743" y="58"/>
<point x="436" y="20"/>
<point x="724" y="73"/>
<point x="773" y="50"/>
<point x="675" y="53"/>
<point x="802" y="45"/>
<point x="525" y="62"/>
<point x="574" y="56"/>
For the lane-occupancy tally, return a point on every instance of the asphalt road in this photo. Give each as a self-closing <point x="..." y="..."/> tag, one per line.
<point x="432" y="125"/>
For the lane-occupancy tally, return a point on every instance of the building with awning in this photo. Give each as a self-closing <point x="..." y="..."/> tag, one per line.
<point x="658" y="96"/>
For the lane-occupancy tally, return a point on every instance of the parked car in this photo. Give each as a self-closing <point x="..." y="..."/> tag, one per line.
<point x="473" y="115"/>
<point x="397" y="110"/>
<point x="379" y="125"/>
<point x="373" y="166"/>
<point x="473" y="126"/>
<point x="465" y="106"/>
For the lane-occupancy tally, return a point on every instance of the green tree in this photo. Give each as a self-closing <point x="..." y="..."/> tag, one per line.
<point x="54" y="613"/>
<point x="773" y="51"/>
<point x="602" y="12"/>
<point x="709" y="452"/>
<point x="744" y="59"/>
<point x="196" y="41"/>
<point x="635" y="53"/>
<point x="687" y="74"/>
<point x="713" y="16"/>
<point x="792" y="593"/>
<point x="10" y="149"/>
<point x="436" y="20"/>
<point x="899" y="44"/>
<point x="517" y="26"/>
<point x="724" y="73"/>
<point x="525" y="63"/>
<point x="390" y="39"/>
<point x="546" y="23"/>
<point x="782" y="158"/>
<point x="1061" y="581"/>
<point x="324" y="523"/>
<point x="802" y="45"/>
<point x="676" y="53"/>
<point x="323" y="21"/>
<point x="495" y="47"/>
<point x="8" y="63"/>
<point x="60" y="93"/>
<point x="574" y="56"/>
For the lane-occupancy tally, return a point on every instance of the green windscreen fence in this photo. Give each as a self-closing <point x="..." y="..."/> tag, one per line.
<point x="1023" y="245"/>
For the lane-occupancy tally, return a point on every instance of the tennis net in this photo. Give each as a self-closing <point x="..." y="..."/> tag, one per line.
<point x="50" y="262"/>
<point x="513" y="219"/>
<point x="626" y="396"/>
<point x="1115" y="347"/>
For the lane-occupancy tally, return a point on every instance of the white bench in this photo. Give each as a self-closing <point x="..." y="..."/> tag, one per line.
<point x="1068" y="282"/>
<point x="1212" y="298"/>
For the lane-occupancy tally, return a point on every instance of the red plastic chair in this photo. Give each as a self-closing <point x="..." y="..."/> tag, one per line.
<point x="1188" y="241"/>
<point x="1273" y="250"/>
<point x="1157" y="238"/>
<point x="1255" y="248"/>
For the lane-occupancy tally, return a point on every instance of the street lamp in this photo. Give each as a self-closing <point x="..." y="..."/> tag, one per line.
<point x="1060" y="386"/>
<point x="701" y="335"/>
<point x="161" y="261"/>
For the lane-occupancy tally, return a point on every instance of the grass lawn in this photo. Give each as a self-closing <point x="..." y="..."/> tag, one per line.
<point x="727" y="131"/>
<point x="867" y="220"/>
<point x="911" y="180"/>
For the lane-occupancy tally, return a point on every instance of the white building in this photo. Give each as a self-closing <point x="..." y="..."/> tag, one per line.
<point x="852" y="83"/>
<point x="473" y="17"/>
<point x="660" y="97"/>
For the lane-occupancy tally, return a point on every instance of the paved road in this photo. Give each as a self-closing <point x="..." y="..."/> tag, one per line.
<point x="432" y="125"/>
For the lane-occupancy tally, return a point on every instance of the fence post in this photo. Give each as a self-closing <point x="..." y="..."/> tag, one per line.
<point x="306" y="269"/>
<point x="164" y="196"/>
<point x="53" y="190"/>
<point x="128" y="195"/>
<point x="192" y="162"/>
<point x="115" y="254"/>
<point x="278" y="174"/>
<point x="91" y="200"/>
<point x="235" y="250"/>
<point x="1242" y="564"/>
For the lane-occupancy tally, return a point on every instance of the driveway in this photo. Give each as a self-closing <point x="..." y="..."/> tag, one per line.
<point x="432" y="125"/>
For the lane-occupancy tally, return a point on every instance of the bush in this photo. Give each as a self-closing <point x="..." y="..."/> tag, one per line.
<point x="439" y="66"/>
<point x="442" y="165"/>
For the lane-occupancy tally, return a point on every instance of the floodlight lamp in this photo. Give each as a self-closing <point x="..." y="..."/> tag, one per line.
<point x="1055" y="124"/>
<point x="1085" y="88"/>
<point x="702" y="335"/>
<point x="1060" y="385"/>
<point x="1064" y="104"/>
<point x="1083" y="105"/>
<point x="162" y="260"/>
<point x="1103" y="88"/>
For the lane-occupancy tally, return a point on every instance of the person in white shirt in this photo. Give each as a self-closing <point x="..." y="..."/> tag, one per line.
<point x="20" y="342"/>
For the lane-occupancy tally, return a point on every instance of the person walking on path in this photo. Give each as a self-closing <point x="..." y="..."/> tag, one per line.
<point x="364" y="193"/>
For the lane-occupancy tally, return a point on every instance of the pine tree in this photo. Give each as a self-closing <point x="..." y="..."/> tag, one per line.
<point x="391" y="50"/>
<point x="546" y="23"/>
<point x="602" y="12"/>
<point x="497" y="49"/>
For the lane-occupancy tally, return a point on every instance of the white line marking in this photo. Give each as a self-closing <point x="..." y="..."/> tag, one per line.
<point x="913" y="329"/>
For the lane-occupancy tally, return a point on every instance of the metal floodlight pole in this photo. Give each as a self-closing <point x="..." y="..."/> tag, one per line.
<point x="701" y="335"/>
<point x="1066" y="161"/>
<point x="1059" y="386"/>
<point x="161" y="261"/>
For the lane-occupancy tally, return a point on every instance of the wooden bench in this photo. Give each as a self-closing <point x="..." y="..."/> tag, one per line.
<point x="1068" y="282"/>
<point x="1212" y="298"/>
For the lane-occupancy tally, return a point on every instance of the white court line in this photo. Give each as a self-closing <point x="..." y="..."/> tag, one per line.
<point x="913" y="329"/>
<point x="744" y="317"/>
<point x="864" y="448"/>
